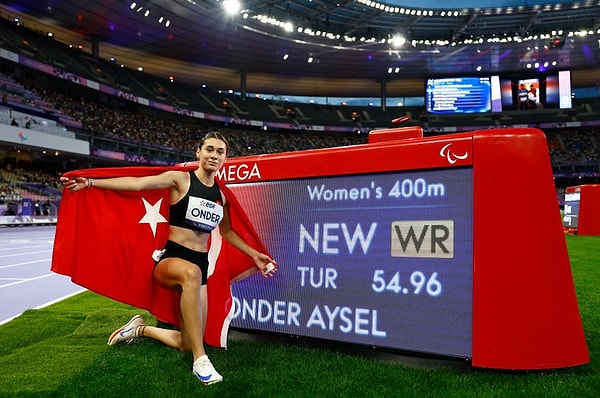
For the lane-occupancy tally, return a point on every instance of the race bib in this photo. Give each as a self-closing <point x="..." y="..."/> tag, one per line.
<point x="203" y="214"/>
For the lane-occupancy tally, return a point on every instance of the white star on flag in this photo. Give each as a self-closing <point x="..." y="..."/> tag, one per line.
<point x="152" y="216"/>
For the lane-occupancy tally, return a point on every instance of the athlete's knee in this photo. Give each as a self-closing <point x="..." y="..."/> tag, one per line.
<point x="191" y="276"/>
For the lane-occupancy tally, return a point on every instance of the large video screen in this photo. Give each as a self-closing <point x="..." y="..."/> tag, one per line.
<point x="458" y="95"/>
<point x="535" y="90"/>
<point x="499" y="93"/>
<point x="383" y="260"/>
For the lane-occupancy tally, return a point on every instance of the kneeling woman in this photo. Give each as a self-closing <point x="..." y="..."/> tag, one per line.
<point x="183" y="265"/>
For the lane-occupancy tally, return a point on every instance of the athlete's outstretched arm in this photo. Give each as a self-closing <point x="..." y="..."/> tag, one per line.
<point x="260" y="259"/>
<point x="168" y="179"/>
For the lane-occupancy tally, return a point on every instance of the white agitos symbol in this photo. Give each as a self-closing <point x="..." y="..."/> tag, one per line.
<point x="152" y="216"/>
<point x="451" y="156"/>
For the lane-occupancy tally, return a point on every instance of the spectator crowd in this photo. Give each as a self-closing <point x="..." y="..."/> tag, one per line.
<point x="141" y="127"/>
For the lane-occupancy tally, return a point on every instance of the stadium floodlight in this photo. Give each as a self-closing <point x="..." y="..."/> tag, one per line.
<point x="398" y="40"/>
<point x="232" y="6"/>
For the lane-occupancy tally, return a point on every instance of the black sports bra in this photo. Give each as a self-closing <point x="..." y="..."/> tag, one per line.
<point x="201" y="209"/>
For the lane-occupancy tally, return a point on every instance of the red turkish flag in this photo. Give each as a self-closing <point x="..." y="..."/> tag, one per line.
<point x="105" y="241"/>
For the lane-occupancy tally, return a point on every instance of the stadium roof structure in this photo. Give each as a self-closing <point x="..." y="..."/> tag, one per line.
<point x="326" y="48"/>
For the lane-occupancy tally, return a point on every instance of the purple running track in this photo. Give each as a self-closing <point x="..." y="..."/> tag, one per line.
<point x="26" y="281"/>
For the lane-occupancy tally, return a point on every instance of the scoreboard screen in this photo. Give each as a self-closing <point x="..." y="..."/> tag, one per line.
<point x="458" y="95"/>
<point x="380" y="259"/>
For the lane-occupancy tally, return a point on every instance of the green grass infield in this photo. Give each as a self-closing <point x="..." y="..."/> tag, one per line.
<point x="61" y="351"/>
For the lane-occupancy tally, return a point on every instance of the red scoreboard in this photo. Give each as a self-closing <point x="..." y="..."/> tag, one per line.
<point x="415" y="244"/>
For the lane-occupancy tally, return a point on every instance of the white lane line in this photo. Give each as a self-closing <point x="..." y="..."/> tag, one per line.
<point x="2" y="322"/>
<point x="25" y="254"/>
<point x="2" y="280"/>
<point x="60" y="299"/>
<point x="21" y="248"/>
<point x="25" y="263"/>
<point x="27" y="280"/>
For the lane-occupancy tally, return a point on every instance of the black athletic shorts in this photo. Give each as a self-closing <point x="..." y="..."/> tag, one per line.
<point x="173" y="249"/>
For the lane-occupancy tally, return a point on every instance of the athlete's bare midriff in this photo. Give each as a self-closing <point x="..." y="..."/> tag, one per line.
<point x="194" y="240"/>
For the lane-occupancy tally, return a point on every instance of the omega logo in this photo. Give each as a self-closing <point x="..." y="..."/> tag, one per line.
<point x="238" y="172"/>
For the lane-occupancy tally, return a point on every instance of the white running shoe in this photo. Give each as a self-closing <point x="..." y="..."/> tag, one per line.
<point x="128" y="332"/>
<point x="205" y="371"/>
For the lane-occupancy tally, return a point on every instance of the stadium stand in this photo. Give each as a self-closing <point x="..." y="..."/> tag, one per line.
<point x="40" y="102"/>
